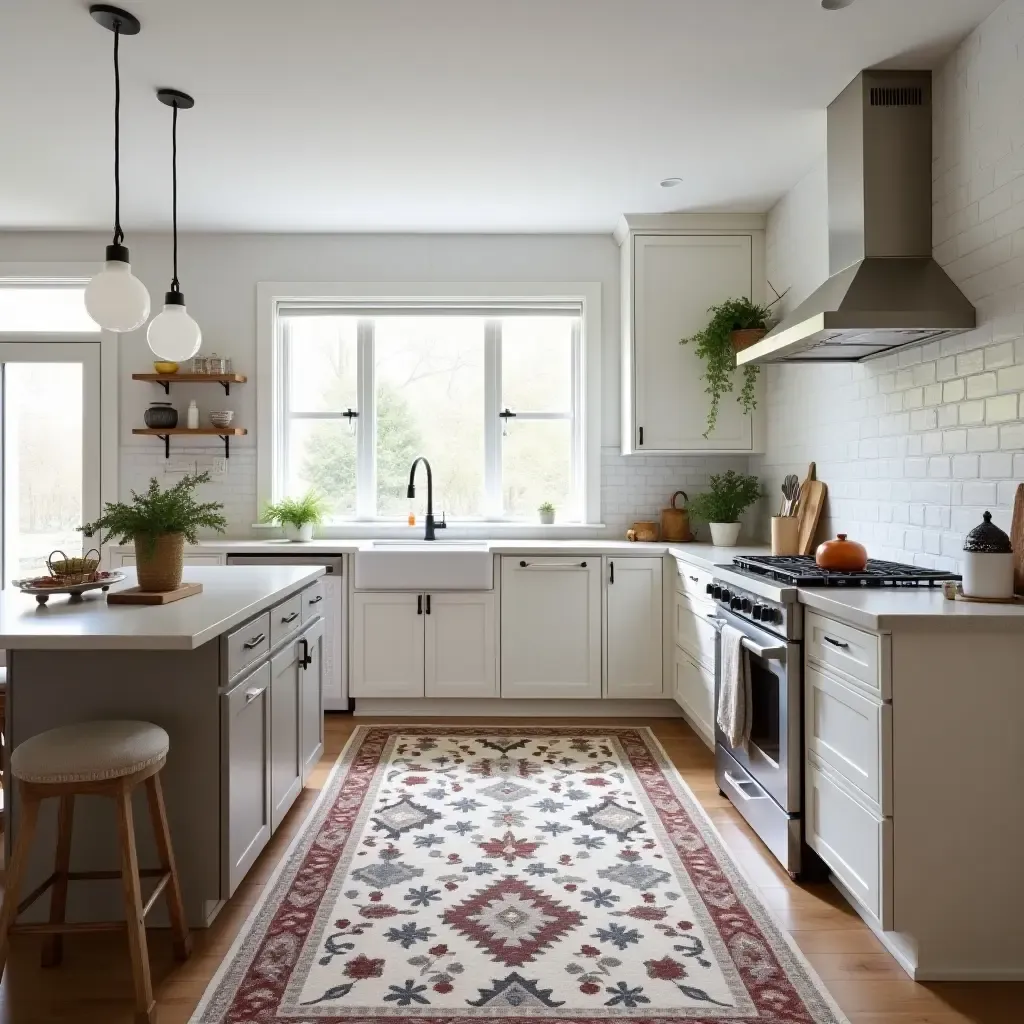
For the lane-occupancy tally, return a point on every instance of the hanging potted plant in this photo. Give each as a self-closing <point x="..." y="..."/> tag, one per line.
<point x="730" y="495"/>
<point x="296" y="516"/>
<point x="735" y="325"/>
<point x="158" y="523"/>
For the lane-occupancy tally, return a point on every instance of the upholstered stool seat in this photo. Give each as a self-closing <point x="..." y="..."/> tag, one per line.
<point x="106" y="759"/>
<point x="89" y="752"/>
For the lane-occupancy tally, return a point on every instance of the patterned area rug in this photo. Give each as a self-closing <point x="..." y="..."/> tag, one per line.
<point x="477" y="873"/>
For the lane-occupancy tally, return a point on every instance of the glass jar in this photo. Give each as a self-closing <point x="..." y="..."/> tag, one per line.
<point x="216" y="364"/>
<point x="200" y="364"/>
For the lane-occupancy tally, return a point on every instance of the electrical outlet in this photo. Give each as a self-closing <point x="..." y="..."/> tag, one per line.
<point x="218" y="467"/>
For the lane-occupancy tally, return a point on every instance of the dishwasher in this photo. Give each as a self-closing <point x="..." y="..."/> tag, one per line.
<point x="333" y="612"/>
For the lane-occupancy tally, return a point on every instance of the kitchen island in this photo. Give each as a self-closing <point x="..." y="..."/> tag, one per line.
<point x="234" y="675"/>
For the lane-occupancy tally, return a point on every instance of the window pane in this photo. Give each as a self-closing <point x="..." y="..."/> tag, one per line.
<point x="321" y="363"/>
<point x="536" y="467"/>
<point x="536" y="363"/>
<point x="322" y="454"/>
<point x="44" y="309"/>
<point x="430" y="401"/>
<point x="43" y="471"/>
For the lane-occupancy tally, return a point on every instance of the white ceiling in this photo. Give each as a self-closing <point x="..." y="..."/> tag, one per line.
<point x="451" y="115"/>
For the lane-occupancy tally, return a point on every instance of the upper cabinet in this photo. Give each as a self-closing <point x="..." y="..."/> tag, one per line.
<point x="673" y="269"/>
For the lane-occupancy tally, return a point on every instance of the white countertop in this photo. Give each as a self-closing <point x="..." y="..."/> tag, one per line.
<point x="230" y="596"/>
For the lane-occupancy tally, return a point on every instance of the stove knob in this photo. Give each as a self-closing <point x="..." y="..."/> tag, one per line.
<point x="735" y="604"/>
<point x="725" y="596"/>
<point x="759" y="610"/>
<point x="771" y="615"/>
<point x="746" y="605"/>
<point x="710" y="589"/>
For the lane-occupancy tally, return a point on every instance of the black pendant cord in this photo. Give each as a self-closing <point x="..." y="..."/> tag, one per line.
<point x="174" y="195"/>
<point x="118" y="233"/>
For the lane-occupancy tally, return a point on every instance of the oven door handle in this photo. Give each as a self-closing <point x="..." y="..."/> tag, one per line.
<point x="768" y="653"/>
<point x="737" y="784"/>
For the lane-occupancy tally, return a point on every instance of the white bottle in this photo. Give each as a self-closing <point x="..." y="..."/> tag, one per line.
<point x="193" y="415"/>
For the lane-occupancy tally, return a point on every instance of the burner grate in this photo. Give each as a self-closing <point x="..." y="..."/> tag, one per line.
<point x="802" y="570"/>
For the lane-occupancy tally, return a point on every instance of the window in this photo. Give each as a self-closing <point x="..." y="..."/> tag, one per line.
<point x="28" y="308"/>
<point x="491" y="394"/>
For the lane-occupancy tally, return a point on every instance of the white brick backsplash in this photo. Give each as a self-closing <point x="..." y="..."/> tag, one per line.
<point x="937" y="429"/>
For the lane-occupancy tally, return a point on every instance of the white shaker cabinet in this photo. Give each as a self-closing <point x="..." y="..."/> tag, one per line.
<point x="551" y="626"/>
<point x="311" y="698"/>
<point x="670" y="278"/>
<point x="634" y="662"/>
<point x="460" y="647"/>
<point x="387" y="645"/>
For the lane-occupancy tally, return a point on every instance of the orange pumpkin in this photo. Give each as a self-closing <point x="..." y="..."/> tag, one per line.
<point x="842" y="555"/>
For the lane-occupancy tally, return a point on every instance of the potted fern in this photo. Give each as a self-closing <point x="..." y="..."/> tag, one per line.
<point x="158" y="523"/>
<point x="735" y="324"/>
<point x="296" y="516"/>
<point x="730" y="495"/>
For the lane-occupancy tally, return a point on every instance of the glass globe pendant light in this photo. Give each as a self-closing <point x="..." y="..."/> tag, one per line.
<point x="173" y="334"/>
<point x="115" y="298"/>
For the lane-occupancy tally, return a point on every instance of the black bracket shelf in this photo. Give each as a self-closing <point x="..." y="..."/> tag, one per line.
<point x="165" y="380"/>
<point x="166" y="435"/>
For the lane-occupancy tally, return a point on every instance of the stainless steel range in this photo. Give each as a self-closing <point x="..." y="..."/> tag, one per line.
<point x="758" y="595"/>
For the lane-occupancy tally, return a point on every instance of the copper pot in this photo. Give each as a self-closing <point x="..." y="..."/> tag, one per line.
<point x="841" y="555"/>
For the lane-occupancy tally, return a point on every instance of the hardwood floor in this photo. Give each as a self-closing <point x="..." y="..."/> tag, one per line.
<point x="94" y="984"/>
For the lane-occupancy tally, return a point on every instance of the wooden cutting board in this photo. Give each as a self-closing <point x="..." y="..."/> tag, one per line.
<point x="1017" y="540"/>
<point x="812" y="500"/>
<point x="136" y="595"/>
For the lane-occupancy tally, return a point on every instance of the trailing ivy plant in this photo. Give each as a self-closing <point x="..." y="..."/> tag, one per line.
<point x="714" y="347"/>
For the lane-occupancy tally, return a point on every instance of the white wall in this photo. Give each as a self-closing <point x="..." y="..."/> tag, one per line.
<point x="219" y="274"/>
<point x="916" y="445"/>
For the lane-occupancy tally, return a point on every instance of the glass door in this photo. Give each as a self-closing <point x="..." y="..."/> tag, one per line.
<point x="49" y="451"/>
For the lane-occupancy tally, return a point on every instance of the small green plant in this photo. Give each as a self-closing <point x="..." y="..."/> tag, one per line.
<point x="714" y="346"/>
<point x="730" y="495"/>
<point x="546" y="508"/>
<point x="155" y="513"/>
<point x="297" y="512"/>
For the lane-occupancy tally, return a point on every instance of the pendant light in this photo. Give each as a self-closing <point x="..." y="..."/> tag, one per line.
<point x="173" y="334"/>
<point x="115" y="298"/>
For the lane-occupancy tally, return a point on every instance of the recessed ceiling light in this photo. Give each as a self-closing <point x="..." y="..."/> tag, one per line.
<point x="835" y="5"/>
<point x="671" y="182"/>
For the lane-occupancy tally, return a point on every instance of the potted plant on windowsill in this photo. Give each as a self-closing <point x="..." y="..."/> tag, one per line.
<point x="730" y="495"/>
<point x="546" y="513"/>
<point x="158" y="523"/>
<point x="735" y="325"/>
<point x="296" y="516"/>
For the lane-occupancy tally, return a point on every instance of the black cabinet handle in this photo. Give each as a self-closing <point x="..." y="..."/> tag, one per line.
<point x="290" y="618"/>
<point x="641" y="437"/>
<point x="695" y="579"/>
<point x="428" y="604"/>
<point x="611" y="575"/>
<point x="255" y="641"/>
<point x="836" y="643"/>
<point x="419" y="604"/>
<point x="317" y="599"/>
<point x="307" y="659"/>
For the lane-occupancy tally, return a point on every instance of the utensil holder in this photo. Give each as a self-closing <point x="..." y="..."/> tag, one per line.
<point x="785" y="535"/>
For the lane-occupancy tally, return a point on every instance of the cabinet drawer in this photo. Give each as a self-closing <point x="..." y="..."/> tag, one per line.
<point x="856" y="844"/>
<point x="848" y="650"/>
<point x="852" y="734"/>
<point x="692" y="581"/>
<point x="285" y="618"/>
<point x="248" y="643"/>
<point x="694" y="632"/>
<point x="313" y="601"/>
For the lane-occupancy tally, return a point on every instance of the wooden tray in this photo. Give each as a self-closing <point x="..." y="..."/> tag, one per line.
<point x="136" y="595"/>
<point x="961" y="596"/>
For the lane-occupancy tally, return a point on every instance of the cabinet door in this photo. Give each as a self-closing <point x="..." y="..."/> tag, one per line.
<point x="387" y="645"/>
<point x="285" y="762"/>
<point x="332" y="609"/>
<point x="460" y="649"/>
<point x="694" y="692"/>
<point x="245" y="775"/>
<point x="633" y="627"/>
<point x="551" y="627"/>
<point x="694" y="632"/>
<point x="675" y="279"/>
<point x="311" y="698"/>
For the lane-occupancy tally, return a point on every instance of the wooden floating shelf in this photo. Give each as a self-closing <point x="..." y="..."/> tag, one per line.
<point x="166" y="433"/>
<point x="167" y="379"/>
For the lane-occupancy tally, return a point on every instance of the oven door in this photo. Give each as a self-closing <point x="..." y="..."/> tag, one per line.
<point x="773" y="754"/>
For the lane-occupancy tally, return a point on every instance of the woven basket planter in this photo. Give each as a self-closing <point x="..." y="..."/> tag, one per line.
<point x="159" y="561"/>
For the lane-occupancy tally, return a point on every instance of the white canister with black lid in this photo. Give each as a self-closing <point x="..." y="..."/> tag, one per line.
<point x="987" y="562"/>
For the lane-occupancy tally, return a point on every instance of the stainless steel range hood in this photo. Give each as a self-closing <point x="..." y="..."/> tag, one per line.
<point x="886" y="290"/>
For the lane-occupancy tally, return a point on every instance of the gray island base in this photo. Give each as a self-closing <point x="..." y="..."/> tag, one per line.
<point x="233" y="674"/>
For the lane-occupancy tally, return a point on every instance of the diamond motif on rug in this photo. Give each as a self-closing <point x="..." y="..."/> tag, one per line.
<point x="614" y="818"/>
<point x="514" y="992"/>
<point x="507" y="791"/>
<point x="386" y="873"/>
<point x="512" y="921"/>
<point x="401" y="816"/>
<point x="639" y="876"/>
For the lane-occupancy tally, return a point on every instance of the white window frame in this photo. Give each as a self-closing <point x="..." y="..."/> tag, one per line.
<point x="586" y="378"/>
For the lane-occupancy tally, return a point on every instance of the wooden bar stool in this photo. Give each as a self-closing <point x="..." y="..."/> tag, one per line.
<point x="101" y="759"/>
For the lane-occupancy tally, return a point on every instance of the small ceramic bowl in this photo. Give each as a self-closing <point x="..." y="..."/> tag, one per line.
<point x="223" y="418"/>
<point x="164" y="367"/>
